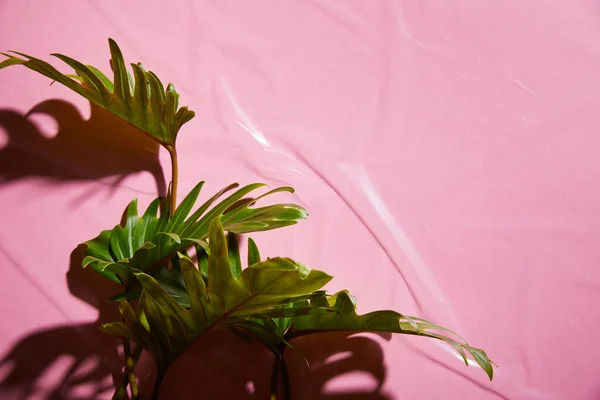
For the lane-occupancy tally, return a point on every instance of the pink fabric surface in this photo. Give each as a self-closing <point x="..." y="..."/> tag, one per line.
<point x="447" y="152"/>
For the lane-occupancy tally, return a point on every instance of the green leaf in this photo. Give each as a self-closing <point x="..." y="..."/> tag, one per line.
<point x="175" y="237"/>
<point x="346" y="319"/>
<point x="273" y="301"/>
<point x="10" y="61"/>
<point x="148" y="242"/>
<point x="131" y="295"/>
<point x="226" y="301"/>
<point x="118" y="329"/>
<point x="482" y="360"/>
<point x="264" y="331"/>
<point x="253" y="253"/>
<point x="284" y="312"/>
<point x="280" y="278"/>
<point x="234" y="255"/>
<point x="88" y="77"/>
<point x="172" y="282"/>
<point x="202" y="255"/>
<point x="141" y="101"/>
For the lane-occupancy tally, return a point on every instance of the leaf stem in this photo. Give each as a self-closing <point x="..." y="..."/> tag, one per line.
<point x="130" y="362"/>
<point x="129" y="367"/>
<point x="128" y="374"/>
<point x="174" y="178"/>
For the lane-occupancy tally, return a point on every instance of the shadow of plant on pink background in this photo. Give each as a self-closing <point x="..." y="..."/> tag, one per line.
<point x="88" y="361"/>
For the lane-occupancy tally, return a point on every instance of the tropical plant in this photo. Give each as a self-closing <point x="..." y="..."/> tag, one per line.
<point x="171" y="299"/>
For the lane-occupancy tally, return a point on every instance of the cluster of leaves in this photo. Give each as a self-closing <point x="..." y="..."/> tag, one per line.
<point x="148" y="242"/>
<point x="272" y="300"/>
<point x="170" y="299"/>
<point x="141" y="101"/>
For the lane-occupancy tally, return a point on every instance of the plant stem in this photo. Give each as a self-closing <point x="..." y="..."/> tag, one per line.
<point x="275" y="377"/>
<point x="285" y="380"/>
<point x="280" y="367"/>
<point x="174" y="178"/>
<point x="130" y="361"/>
<point x="128" y="374"/>
<point x="157" y="382"/>
<point x="129" y="367"/>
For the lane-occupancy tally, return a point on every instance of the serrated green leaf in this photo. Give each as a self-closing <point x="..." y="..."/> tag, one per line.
<point x="172" y="282"/>
<point x="156" y="294"/>
<point x="88" y="77"/>
<point x="346" y="319"/>
<point x="141" y="94"/>
<point x="150" y="241"/>
<point x="248" y="303"/>
<point x="197" y="224"/>
<point x="103" y="78"/>
<point x="221" y="282"/>
<point x="200" y="309"/>
<point x="280" y="279"/>
<point x="176" y="223"/>
<point x="140" y="100"/>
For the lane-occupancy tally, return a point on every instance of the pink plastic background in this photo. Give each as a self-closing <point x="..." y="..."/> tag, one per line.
<point x="447" y="151"/>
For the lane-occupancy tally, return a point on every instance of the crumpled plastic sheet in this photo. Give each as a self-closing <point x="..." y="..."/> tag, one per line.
<point x="447" y="152"/>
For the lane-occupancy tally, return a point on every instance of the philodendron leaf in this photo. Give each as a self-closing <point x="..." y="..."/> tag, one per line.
<point x="226" y="301"/>
<point x="273" y="301"/>
<point x="146" y="242"/>
<point x="345" y="318"/>
<point x="141" y="101"/>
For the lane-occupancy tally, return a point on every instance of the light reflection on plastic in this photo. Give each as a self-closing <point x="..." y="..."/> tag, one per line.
<point x="245" y="123"/>
<point x="363" y="182"/>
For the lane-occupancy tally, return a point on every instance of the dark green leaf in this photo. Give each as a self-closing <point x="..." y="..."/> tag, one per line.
<point x="283" y="312"/>
<point x="131" y="295"/>
<point x="202" y="255"/>
<point x="234" y="255"/>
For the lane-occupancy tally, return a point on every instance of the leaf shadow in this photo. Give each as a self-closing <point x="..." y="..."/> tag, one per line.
<point x="223" y="366"/>
<point x="104" y="146"/>
<point x="71" y="361"/>
<point x="83" y="357"/>
<point x="333" y="355"/>
<point x="220" y="364"/>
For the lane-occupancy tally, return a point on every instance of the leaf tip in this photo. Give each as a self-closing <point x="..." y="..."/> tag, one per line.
<point x="303" y="271"/>
<point x="216" y="224"/>
<point x="87" y="261"/>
